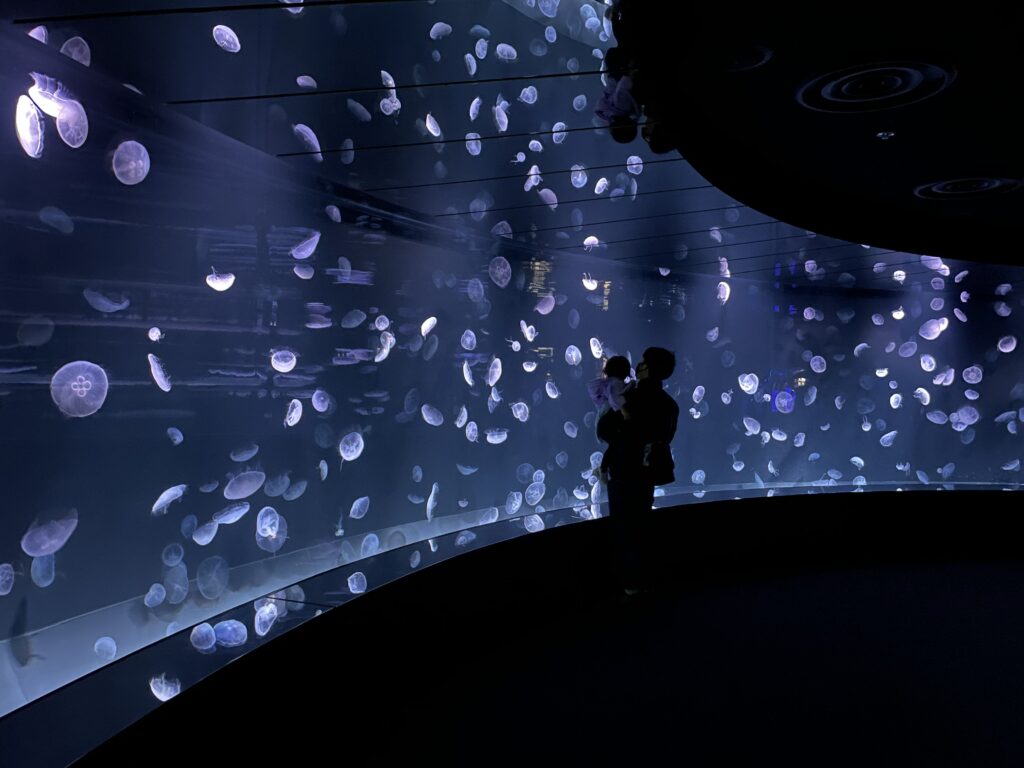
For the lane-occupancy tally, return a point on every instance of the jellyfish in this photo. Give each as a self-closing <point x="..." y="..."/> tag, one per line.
<point x="164" y="688"/>
<point x="427" y="326"/>
<point x="635" y="165"/>
<point x="73" y="124"/>
<point x="267" y="522"/>
<point x="243" y="485"/>
<point x="520" y="411"/>
<point x="79" y="388"/>
<point x="306" y="248"/>
<point x="106" y="648"/>
<point x="573" y="356"/>
<point x="212" y="577"/>
<point x="474" y="108"/>
<point x="431" y="415"/>
<point x="202" y="637"/>
<point x="579" y="103"/>
<point x="473" y="145"/>
<point x="46" y="538"/>
<point x="571" y="430"/>
<point x="42" y="570"/>
<point x="494" y="372"/>
<point x="232" y="513"/>
<point x="230" y="633"/>
<point x="156" y="369"/>
<point x="500" y="271"/>
<point x="496" y="436"/>
<point x="749" y="382"/>
<point x="29" y="125"/>
<point x="130" y="163"/>
<point x="309" y="140"/>
<point x="155" y="596"/>
<point x="505" y="53"/>
<point x="973" y="374"/>
<point x="432" y="126"/>
<point x="544" y="306"/>
<point x="283" y="360"/>
<point x="274" y="542"/>
<point x="176" y="584"/>
<point x="265" y="617"/>
<point x="351" y="446"/>
<point x="165" y="499"/>
<point x="226" y="39"/>
<point x="1007" y="344"/>
<point x="294" y="413"/>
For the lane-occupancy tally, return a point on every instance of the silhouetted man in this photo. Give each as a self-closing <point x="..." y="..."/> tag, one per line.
<point x="638" y="456"/>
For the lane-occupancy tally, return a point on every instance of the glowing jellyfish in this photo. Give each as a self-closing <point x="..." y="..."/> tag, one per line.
<point x="818" y="364"/>
<point x="226" y="39"/>
<point x="105" y="647"/>
<point x="166" y="498"/>
<point x="243" y="485"/>
<point x="102" y="303"/>
<point x="494" y="372"/>
<point x="267" y="522"/>
<point x="175" y="436"/>
<point x="551" y="389"/>
<point x="520" y="411"/>
<point x="76" y="48"/>
<point x="42" y="571"/>
<point x="351" y="446"/>
<point x="164" y="688"/>
<point x="307" y="247"/>
<point x="749" y="382"/>
<point x="752" y="425"/>
<point x="887" y="439"/>
<point x="230" y="633"/>
<point x="39" y="33"/>
<point x="440" y="30"/>
<point x="496" y="436"/>
<point x="130" y="163"/>
<point x="785" y="401"/>
<point x="220" y="281"/>
<point x="506" y="53"/>
<point x="309" y="140"/>
<point x="500" y="271"/>
<point x="46" y="538"/>
<point x="931" y="329"/>
<point x="293" y="414"/>
<point x="723" y="292"/>
<point x="212" y="577"/>
<point x="172" y="554"/>
<point x="570" y="429"/>
<point x="265" y="617"/>
<point x="274" y="542"/>
<point x="156" y="370"/>
<point x="545" y="305"/>
<point x="973" y="374"/>
<point x="79" y="388"/>
<point x="472" y="432"/>
<point x="29" y="125"/>
<point x="431" y="415"/>
<point x="283" y="360"/>
<point x="356" y="583"/>
<point x="573" y="356"/>
<point x="202" y="637"/>
<point x="155" y="596"/>
<point x="432" y="127"/>
<point x="232" y="513"/>
<point x="927" y="363"/>
<point x="73" y="124"/>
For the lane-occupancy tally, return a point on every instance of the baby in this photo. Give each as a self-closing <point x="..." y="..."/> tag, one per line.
<point x="609" y="390"/>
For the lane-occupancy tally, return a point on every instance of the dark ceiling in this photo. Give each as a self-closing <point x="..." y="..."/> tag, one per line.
<point x="895" y="126"/>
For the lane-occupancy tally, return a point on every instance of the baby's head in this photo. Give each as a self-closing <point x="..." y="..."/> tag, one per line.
<point x="617" y="367"/>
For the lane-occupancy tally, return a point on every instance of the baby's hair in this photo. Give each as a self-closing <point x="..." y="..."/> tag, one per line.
<point x="617" y="366"/>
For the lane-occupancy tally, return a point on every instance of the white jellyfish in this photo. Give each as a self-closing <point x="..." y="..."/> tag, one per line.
<point x="29" y="125"/>
<point x="226" y="39"/>
<point x="156" y="370"/>
<point x="79" y="388"/>
<point x="130" y="163"/>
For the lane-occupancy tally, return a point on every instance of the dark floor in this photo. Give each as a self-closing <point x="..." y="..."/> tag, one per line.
<point x="770" y="636"/>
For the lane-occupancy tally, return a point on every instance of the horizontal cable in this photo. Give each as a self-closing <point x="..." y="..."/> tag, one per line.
<point x="655" y="216"/>
<point x="519" y="176"/>
<point x="195" y="9"/>
<point x="452" y="141"/>
<point x="363" y="89"/>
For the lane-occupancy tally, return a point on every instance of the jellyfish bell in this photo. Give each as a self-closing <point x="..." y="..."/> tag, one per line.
<point x="79" y="388"/>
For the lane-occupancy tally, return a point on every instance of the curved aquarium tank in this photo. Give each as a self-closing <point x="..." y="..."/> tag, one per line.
<point x="297" y="300"/>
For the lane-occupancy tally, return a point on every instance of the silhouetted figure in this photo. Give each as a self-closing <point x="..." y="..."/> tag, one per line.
<point x="638" y="456"/>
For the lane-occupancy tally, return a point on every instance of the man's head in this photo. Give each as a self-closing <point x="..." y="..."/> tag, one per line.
<point x="617" y="367"/>
<point x="657" y="364"/>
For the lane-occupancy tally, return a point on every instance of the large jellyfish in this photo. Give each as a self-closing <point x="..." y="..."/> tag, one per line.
<point x="29" y="125"/>
<point x="244" y="485"/>
<point x="226" y="39"/>
<point x="79" y="388"/>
